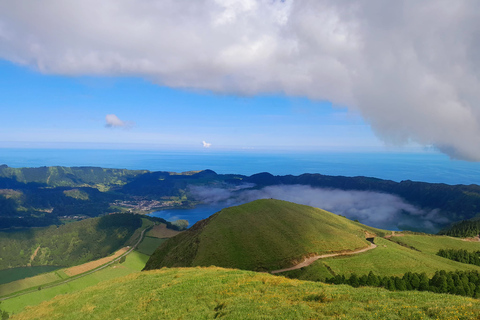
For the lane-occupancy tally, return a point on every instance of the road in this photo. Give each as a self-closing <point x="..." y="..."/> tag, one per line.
<point x="309" y="261"/>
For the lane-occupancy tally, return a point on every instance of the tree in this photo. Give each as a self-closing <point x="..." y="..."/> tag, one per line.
<point x="372" y="280"/>
<point x="424" y="282"/>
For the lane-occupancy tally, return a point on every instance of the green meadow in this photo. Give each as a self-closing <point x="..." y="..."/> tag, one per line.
<point x="431" y="244"/>
<point x="210" y="293"/>
<point x="388" y="259"/>
<point x="134" y="262"/>
<point x="149" y="245"/>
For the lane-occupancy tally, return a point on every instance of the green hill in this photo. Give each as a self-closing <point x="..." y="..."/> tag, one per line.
<point x="69" y="244"/>
<point x="262" y="235"/>
<point x="209" y="293"/>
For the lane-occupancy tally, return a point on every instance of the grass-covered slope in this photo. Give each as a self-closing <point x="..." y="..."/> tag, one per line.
<point x="209" y="293"/>
<point x="260" y="235"/>
<point x="69" y="244"/>
<point x="388" y="259"/>
<point x="431" y="244"/>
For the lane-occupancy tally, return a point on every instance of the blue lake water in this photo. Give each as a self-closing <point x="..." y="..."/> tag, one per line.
<point x="191" y="215"/>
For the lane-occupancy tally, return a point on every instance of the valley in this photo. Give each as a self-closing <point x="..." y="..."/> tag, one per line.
<point x="300" y="246"/>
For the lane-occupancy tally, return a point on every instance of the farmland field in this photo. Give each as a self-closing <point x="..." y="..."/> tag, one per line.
<point x="149" y="245"/>
<point x="14" y="274"/>
<point x="134" y="262"/>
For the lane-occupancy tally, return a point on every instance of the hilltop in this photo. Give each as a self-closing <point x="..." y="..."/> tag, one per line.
<point x="179" y="293"/>
<point x="262" y="235"/>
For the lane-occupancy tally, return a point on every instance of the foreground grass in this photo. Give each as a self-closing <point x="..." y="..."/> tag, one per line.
<point x="208" y="293"/>
<point x="388" y="259"/>
<point x="134" y="262"/>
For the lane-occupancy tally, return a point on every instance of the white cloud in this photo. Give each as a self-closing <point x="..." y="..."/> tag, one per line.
<point x="206" y="144"/>
<point x="410" y="68"/>
<point x="375" y="209"/>
<point x="112" y="121"/>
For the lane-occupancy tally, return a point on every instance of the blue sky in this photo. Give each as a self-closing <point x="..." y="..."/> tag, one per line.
<point x="42" y="110"/>
<point x="242" y="75"/>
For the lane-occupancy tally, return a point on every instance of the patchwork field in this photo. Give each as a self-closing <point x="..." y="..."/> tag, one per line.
<point x="149" y="245"/>
<point x="73" y="271"/>
<point x="134" y="262"/>
<point x="161" y="231"/>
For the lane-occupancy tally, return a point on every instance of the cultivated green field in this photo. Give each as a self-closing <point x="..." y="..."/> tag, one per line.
<point x="134" y="262"/>
<point x="20" y="285"/>
<point x="149" y="245"/>
<point x="388" y="259"/>
<point x="431" y="244"/>
<point x="261" y="235"/>
<point x="234" y="294"/>
<point x="9" y="275"/>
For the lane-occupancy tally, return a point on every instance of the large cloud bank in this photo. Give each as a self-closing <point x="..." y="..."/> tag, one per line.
<point x="411" y="68"/>
<point x="375" y="209"/>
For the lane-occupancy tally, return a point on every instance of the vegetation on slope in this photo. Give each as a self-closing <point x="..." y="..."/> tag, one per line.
<point x="455" y="202"/>
<point x="431" y="244"/>
<point x="463" y="229"/>
<point x="28" y="195"/>
<point x="235" y="294"/>
<point x="69" y="244"/>
<point x="388" y="259"/>
<point x="462" y="256"/>
<point x="260" y="235"/>
<point x="459" y="282"/>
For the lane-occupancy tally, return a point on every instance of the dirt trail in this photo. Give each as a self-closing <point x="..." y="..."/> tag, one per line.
<point x="33" y="256"/>
<point x="309" y="261"/>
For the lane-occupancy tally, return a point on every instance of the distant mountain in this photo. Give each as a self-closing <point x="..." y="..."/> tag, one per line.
<point x="262" y="235"/>
<point x="32" y="197"/>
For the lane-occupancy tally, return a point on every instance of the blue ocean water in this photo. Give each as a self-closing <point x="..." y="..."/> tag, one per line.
<point x="428" y="167"/>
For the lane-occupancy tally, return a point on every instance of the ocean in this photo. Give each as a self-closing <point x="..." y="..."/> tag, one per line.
<point x="427" y="167"/>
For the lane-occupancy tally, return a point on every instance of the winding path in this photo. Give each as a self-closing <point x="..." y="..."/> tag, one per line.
<point x="310" y="260"/>
<point x="83" y="274"/>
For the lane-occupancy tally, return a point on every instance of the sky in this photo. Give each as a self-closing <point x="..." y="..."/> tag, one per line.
<point x="241" y="75"/>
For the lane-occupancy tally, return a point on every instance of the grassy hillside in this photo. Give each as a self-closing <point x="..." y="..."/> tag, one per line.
<point x="134" y="262"/>
<point x="235" y="294"/>
<point x="388" y="259"/>
<point x="260" y="235"/>
<point x="66" y="245"/>
<point x="431" y="244"/>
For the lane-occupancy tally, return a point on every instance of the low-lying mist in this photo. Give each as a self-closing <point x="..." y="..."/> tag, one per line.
<point x="374" y="209"/>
